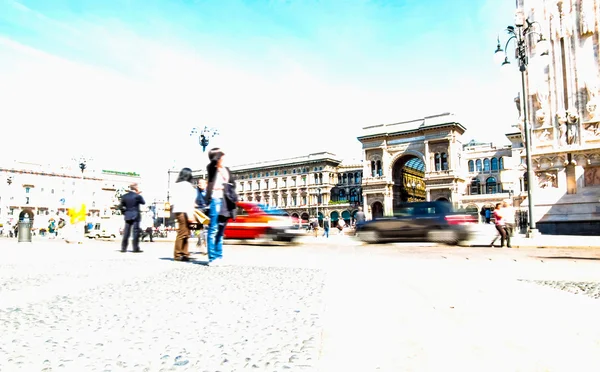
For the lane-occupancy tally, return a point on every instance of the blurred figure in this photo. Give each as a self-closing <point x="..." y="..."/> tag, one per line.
<point x="360" y="216"/>
<point x="220" y="198"/>
<point x="315" y="227"/>
<point x="130" y="206"/>
<point x="500" y="226"/>
<point x="147" y="225"/>
<point x="508" y="215"/>
<point x="182" y="204"/>
<point x="326" y="226"/>
<point x="201" y="204"/>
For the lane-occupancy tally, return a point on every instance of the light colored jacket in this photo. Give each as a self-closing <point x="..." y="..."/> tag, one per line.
<point x="183" y="198"/>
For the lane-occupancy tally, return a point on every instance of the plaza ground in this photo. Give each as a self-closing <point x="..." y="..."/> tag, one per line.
<point x="324" y="305"/>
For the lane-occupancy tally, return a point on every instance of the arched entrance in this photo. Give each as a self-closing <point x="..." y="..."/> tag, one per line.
<point x="377" y="210"/>
<point x="334" y="217"/>
<point x="26" y="212"/>
<point x="346" y="217"/>
<point x="304" y="217"/>
<point x="443" y="200"/>
<point x="408" y="173"/>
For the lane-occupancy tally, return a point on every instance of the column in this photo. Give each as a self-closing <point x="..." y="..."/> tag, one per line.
<point x="366" y="208"/>
<point x="388" y="208"/>
<point x="428" y="192"/>
<point x="427" y="160"/>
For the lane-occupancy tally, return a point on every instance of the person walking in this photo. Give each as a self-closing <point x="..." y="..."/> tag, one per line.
<point x="499" y="223"/>
<point x="508" y="216"/>
<point x="130" y="206"/>
<point x="182" y="204"/>
<point x="360" y="216"/>
<point x="326" y="226"/>
<point x="147" y="226"/>
<point x="201" y="205"/>
<point x="221" y="199"/>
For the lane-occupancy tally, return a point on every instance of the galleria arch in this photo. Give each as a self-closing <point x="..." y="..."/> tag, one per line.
<point x="416" y="160"/>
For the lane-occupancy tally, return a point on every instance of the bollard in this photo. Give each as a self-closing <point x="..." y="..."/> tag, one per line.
<point x="24" y="232"/>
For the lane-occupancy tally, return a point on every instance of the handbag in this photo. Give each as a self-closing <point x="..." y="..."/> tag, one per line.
<point x="201" y="217"/>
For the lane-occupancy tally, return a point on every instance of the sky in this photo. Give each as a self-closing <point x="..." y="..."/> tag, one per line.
<point x="123" y="82"/>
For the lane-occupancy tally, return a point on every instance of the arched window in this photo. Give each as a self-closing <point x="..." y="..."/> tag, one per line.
<point x="444" y="161"/>
<point x="478" y="165"/>
<point x="438" y="163"/>
<point x="350" y="178"/>
<point x="379" y="169"/>
<point x="494" y="165"/>
<point x="486" y="165"/>
<point x="501" y="163"/>
<point x="353" y="196"/>
<point x="357" y="178"/>
<point x="373" y="169"/>
<point x="342" y="195"/>
<point x="471" y="166"/>
<point x="491" y="187"/>
<point x="475" y="187"/>
<point x="344" y="179"/>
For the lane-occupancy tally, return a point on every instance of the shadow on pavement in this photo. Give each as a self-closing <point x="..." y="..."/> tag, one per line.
<point x="191" y="261"/>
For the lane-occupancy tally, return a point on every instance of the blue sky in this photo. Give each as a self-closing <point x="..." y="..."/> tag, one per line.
<point x="124" y="81"/>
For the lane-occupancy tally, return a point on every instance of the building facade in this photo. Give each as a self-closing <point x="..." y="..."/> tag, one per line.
<point x="412" y="160"/>
<point x="316" y="185"/>
<point x="42" y="190"/>
<point x="562" y="102"/>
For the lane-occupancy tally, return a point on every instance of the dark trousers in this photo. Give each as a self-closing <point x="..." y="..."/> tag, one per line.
<point x="135" y="225"/>
<point x="504" y="234"/>
<point x="147" y="232"/>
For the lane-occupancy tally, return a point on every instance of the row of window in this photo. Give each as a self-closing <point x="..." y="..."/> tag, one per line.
<point x="276" y="173"/>
<point x="491" y="187"/>
<point x="487" y="165"/>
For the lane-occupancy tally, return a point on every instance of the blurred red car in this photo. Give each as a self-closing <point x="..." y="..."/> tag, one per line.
<point x="259" y="221"/>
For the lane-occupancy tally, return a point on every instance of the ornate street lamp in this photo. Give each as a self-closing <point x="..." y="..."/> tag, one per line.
<point x="204" y="135"/>
<point x="413" y="185"/>
<point x="523" y="34"/>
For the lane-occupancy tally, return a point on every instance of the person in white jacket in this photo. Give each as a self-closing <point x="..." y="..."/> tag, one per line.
<point x="183" y="199"/>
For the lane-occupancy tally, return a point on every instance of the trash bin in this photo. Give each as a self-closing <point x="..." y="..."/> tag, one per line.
<point x="24" y="232"/>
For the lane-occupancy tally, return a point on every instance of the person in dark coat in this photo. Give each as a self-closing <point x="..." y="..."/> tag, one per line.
<point x="221" y="199"/>
<point x="130" y="206"/>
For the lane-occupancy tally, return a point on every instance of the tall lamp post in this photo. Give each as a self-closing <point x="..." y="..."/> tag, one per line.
<point x="203" y="135"/>
<point x="523" y="33"/>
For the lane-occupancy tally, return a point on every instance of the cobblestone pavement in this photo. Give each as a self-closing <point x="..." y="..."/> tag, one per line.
<point x="320" y="307"/>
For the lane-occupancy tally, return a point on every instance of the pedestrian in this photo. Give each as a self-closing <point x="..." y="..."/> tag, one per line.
<point x="326" y="226"/>
<point x="488" y="215"/>
<point x="508" y="216"/>
<point x="130" y="206"/>
<point x="315" y="227"/>
<point x="182" y="205"/>
<point x="360" y="216"/>
<point x="147" y="225"/>
<point x="499" y="223"/>
<point x="201" y="205"/>
<point x="221" y="199"/>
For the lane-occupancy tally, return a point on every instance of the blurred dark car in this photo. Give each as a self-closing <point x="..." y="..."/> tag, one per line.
<point x="419" y="221"/>
<point x="259" y="221"/>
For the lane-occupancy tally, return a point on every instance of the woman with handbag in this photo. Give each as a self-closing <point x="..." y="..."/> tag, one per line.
<point x="221" y="199"/>
<point x="183" y="198"/>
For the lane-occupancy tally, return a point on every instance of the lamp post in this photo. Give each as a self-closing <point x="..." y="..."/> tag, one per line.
<point x="522" y="34"/>
<point x="203" y="135"/>
<point x="413" y="185"/>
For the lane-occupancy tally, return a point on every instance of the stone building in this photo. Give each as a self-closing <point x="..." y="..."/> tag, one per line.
<point x="45" y="190"/>
<point x="412" y="160"/>
<point x="319" y="184"/>
<point x="562" y="108"/>
<point x="486" y="164"/>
